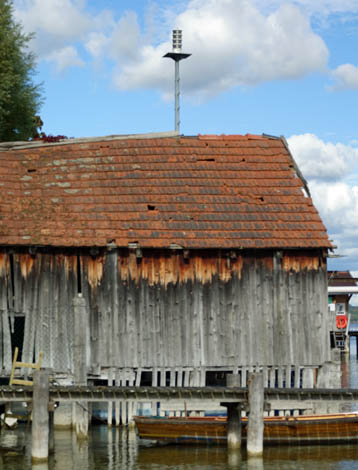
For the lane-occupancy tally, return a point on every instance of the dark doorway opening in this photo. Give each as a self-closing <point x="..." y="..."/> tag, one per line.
<point x="17" y="329"/>
<point x="216" y="378"/>
<point x="146" y="378"/>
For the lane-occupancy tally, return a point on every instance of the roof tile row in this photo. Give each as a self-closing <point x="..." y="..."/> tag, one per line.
<point x="197" y="192"/>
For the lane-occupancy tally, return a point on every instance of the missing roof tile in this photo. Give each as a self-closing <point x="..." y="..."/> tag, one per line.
<point x="150" y="207"/>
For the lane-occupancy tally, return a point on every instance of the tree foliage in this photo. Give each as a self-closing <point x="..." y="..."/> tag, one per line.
<point x="20" y="98"/>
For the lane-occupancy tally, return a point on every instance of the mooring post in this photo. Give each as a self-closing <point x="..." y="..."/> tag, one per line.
<point x="234" y="429"/>
<point x="255" y="426"/>
<point x="40" y="416"/>
<point x="110" y="403"/>
<point x="233" y="424"/>
<point x="80" y="414"/>
<point x="51" y="437"/>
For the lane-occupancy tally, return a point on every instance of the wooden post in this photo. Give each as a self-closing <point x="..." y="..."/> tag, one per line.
<point x="51" y="437"/>
<point x="110" y="383"/>
<point x="80" y="418"/>
<point x="40" y="417"/>
<point x="130" y="413"/>
<point x="234" y="431"/>
<point x="233" y="424"/>
<point x="117" y="403"/>
<point x="255" y="426"/>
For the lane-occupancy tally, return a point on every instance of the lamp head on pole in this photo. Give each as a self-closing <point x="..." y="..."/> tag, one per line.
<point x="177" y="40"/>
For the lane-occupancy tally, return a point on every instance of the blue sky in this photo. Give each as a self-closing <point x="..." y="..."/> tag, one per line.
<point x="257" y="66"/>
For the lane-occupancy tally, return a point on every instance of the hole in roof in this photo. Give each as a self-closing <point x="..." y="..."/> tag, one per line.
<point x="150" y="207"/>
<point x="261" y="198"/>
<point x="206" y="159"/>
<point x="31" y="170"/>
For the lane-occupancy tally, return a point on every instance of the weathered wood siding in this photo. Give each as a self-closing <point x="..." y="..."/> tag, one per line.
<point x="164" y="311"/>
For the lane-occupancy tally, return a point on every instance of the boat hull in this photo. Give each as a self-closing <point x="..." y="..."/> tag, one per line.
<point x="313" y="429"/>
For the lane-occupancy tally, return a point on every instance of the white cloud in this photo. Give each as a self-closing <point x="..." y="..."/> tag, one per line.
<point x="319" y="160"/>
<point x="337" y="204"/>
<point x="124" y="43"/>
<point x="330" y="168"/>
<point x="61" y="27"/>
<point x="337" y="198"/>
<point x="65" y="58"/>
<point x="317" y="7"/>
<point x="55" y="22"/>
<point x="232" y="43"/>
<point x="96" y="43"/>
<point x="346" y="77"/>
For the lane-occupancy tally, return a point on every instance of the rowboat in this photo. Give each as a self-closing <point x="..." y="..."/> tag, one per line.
<point x="319" y="429"/>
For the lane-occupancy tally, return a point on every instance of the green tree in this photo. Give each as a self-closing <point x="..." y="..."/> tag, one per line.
<point x="20" y="98"/>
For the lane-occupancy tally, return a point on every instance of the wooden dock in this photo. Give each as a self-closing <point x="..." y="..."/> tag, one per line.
<point x="43" y="395"/>
<point x="107" y="394"/>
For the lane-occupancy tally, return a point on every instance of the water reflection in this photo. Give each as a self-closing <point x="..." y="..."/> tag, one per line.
<point x="119" y="449"/>
<point x="255" y="463"/>
<point x="185" y="456"/>
<point x="234" y="458"/>
<point x="40" y="466"/>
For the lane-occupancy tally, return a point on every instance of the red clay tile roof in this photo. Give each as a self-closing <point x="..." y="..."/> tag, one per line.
<point x="197" y="192"/>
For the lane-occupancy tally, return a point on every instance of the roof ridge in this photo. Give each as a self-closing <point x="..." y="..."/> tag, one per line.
<point x="18" y="145"/>
<point x="231" y="137"/>
<point x="295" y="166"/>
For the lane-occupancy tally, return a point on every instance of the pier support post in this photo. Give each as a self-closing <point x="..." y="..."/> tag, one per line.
<point x="255" y="426"/>
<point x="40" y="417"/>
<point x="80" y="414"/>
<point x="234" y="436"/>
<point x="234" y="428"/>
<point x="51" y="437"/>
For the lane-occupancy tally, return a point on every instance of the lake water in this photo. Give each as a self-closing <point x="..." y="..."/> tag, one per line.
<point x="119" y="449"/>
<point x="112" y="449"/>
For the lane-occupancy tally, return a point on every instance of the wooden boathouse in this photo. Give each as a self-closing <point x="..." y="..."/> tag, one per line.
<point x="196" y="257"/>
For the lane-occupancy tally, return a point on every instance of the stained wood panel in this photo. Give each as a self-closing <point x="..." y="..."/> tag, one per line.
<point x="164" y="312"/>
